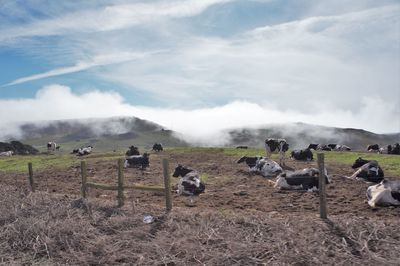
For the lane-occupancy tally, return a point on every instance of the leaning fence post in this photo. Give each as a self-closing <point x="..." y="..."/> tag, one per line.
<point x="84" y="178"/>
<point x="30" y="169"/>
<point x="120" y="182"/>
<point x="167" y="185"/>
<point x="322" y="182"/>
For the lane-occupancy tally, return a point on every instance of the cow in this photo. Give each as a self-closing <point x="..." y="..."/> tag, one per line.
<point x="241" y="147"/>
<point x="359" y="162"/>
<point x="385" y="193"/>
<point x="58" y="147"/>
<point x="6" y="153"/>
<point x="84" y="151"/>
<point x="302" y="155"/>
<point x="313" y="146"/>
<point x="137" y="161"/>
<point x="373" y="148"/>
<point x="342" y="148"/>
<point x="75" y="151"/>
<point x="370" y="172"/>
<point x="132" y="151"/>
<point x="323" y="148"/>
<point x="332" y="146"/>
<point x="306" y="179"/>
<point x="250" y="161"/>
<point x="395" y="149"/>
<point x="279" y="145"/>
<point x="157" y="147"/>
<point x="261" y="165"/>
<point x="189" y="183"/>
<point x="51" y="146"/>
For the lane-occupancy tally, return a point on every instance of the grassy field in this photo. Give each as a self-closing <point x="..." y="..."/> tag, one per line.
<point x="390" y="163"/>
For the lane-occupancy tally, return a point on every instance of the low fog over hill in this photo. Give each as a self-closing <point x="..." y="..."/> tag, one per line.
<point x="119" y="132"/>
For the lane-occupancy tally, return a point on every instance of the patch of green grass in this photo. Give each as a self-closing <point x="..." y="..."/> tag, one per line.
<point x="204" y="178"/>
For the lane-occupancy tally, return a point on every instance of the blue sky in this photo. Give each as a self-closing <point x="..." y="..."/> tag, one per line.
<point x="287" y="58"/>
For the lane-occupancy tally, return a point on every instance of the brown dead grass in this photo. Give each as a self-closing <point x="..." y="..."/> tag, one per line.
<point x="47" y="229"/>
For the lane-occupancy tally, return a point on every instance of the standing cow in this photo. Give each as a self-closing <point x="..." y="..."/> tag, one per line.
<point x="51" y="146"/>
<point x="279" y="145"/>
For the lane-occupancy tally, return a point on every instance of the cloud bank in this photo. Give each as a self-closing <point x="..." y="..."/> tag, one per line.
<point x="205" y="125"/>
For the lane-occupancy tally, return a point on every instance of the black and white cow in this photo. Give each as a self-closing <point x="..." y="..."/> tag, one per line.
<point x="189" y="183"/>
<point x="385" y="193"/>
<point x="395" y="149"/>
<point x="342" y="148"/>
<point x="373" y="148"/>
<point x="370" y="171"/>
<point x="323" y="147"/>
<point x="137" y="161"/>
<point x="359" y="162"/>
<point x="279" y="145"/>
<point x="261" y="165"/>
<point x="51" y="146"/>
<point x="6" y="153"/>
<point x="85" y="151"/>
<point x="132" y="151"/>
<point x="313" y="146"/>
<point x="157" y="147"/>
<point x="302" y="155"/>
<point x="306" y="179"/>
<point x="332" y="146"/>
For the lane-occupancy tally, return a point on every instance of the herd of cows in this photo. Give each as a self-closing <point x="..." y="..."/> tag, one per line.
<point x="384" y="193"/>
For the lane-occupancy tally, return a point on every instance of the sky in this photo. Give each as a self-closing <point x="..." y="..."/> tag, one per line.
<point x="202" y="66"/>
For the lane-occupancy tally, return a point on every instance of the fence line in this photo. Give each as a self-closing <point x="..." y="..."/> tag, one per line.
<point x="120" y="187"/>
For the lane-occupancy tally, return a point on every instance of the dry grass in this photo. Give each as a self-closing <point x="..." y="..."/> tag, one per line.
<point x="47" y="229"/>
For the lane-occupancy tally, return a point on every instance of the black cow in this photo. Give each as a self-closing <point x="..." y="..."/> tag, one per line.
<point x="132" y="151"/>
<point x="305" y="179"/>
<point x="241" y="147"/>
<point x="373" y="147"/>
<point x="137" y="161"/>
<point x="313" y="146"/>
<point x="370" y="171"/>
<point x="359" y="162"/>
<point x="189" y="183"/>
<point x="302" y="155"/>
<point x="279" y="145"/>
<point x="158" y="147"/>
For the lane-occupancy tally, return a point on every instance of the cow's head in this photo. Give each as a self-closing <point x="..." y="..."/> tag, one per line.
<point x="359" y="162"/>
<point x="181" y="170"/>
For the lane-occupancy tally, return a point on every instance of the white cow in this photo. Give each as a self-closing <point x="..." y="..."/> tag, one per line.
<point x="385" y="193"/>
<point x="6" y="153"/>
<point x="266" y="168"/>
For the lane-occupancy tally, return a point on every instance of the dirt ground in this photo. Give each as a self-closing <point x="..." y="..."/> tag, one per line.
<point x="229" y="186"/>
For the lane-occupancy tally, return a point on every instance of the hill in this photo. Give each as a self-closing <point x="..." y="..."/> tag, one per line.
<point x="105" y="134"/>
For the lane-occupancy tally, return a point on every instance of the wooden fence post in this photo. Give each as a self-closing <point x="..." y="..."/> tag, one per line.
<point x="84" y="179"/>
<point x="120" y="182"/>
<point x="167" y="185"/>
<point x="322" y="182"/>
<point x="30" y="169"/>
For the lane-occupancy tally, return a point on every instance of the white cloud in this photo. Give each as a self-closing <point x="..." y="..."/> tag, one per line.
<point x="203" y="125"/>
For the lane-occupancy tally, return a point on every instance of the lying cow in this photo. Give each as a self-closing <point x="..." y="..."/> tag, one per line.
<point x="262" y="166"/>
<point x="313" y="146"/>
<point x="137" y="161"/>
<point x="373" y="148"/>
<point x="332" y="146"/>
<point x="370" y="171"/>
<point x="323" y="148"/>
<point x="395" y="149"/>
<point x="385" y="193"/>
<point x="302" y="155"/>
<point x="279" y="145"/>
<point x="359" y="162"/>
<point x="6" y="153"/>
<point x="132" y="151"/>
<point x="342" y="148"/>
<point x="84" y="151"/>
<point x="241" y="147"/>
<point x="157" y="147"/>
<point x="189" y="183"/>
<point x="306" y="179"/>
